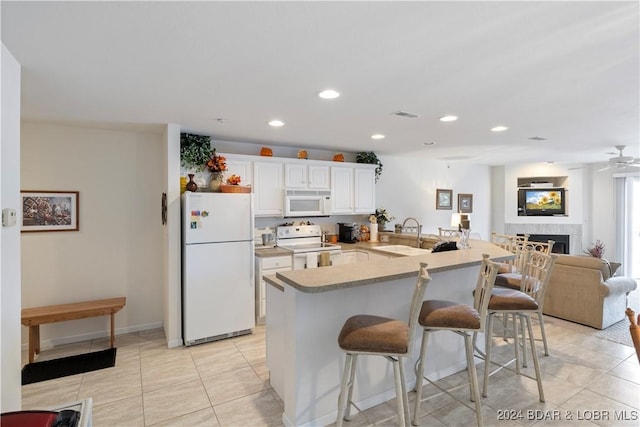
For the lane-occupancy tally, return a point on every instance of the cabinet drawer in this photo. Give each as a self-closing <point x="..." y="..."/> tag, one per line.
<point x="276" y="262"/>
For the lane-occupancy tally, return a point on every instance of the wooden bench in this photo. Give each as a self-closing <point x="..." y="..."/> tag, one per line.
<point x="36" y="316"/>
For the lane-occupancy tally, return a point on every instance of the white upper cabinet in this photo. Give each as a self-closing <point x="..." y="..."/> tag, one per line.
<point x="353" y="189"/>
<point x="365" y="190"/>
<point x="302" y="175"/>
<point x="342" y="190"/>
<point x="240" y="166"/>
<point x="268" y="188"/>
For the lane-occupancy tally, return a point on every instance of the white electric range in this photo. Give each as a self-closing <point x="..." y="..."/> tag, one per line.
<point x="309" y="251"/>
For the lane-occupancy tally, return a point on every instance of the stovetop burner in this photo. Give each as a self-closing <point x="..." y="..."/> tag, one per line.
<point x="303" y="238"/>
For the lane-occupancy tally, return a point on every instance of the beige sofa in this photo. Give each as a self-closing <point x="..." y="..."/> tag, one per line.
<point x="581" y="290"/>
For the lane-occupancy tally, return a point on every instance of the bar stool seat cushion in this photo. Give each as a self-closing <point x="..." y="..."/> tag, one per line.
<point x="448" y="314"/>
<point x="508" y="299"/>
<point x="509" y="280"/>
<point x="375" y="334"/>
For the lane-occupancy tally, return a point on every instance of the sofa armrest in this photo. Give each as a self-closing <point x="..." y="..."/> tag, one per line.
<point x="619" y="285"/>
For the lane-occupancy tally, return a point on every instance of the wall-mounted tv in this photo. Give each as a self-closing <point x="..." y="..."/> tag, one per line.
<point x="541" y="201"/>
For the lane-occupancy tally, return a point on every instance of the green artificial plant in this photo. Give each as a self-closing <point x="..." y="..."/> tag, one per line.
<point x="370" y="158"/>
<point x="195" y="151"/>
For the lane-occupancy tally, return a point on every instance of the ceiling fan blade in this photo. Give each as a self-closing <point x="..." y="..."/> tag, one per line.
<point x="604" y="169"/>
<point x="576" y="168"/>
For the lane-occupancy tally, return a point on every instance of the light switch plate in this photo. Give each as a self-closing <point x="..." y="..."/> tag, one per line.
<point x="8" y="217"/>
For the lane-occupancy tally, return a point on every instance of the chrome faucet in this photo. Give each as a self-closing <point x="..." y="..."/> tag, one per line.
<point x="418" y="228"/>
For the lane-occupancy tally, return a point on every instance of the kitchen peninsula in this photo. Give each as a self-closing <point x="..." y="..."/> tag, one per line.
<point x="307" y="308"/>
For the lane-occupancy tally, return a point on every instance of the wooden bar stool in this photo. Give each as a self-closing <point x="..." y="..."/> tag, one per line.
<point x="365" y="334"/>
<point x="463" y="319"/>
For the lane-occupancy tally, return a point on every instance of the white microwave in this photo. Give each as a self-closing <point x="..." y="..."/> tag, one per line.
<point x="307" y="203"/>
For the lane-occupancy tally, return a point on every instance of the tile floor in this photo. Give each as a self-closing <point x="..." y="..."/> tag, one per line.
<point x="587" y="381"/>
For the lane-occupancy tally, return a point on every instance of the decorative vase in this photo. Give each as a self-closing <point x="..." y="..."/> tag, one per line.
<point x="463" y="242"/>
<point x="191" y="185"/>
<point x="381" y="225"/>
<point x="373" y="229"/>
<point x="216" y="180"/>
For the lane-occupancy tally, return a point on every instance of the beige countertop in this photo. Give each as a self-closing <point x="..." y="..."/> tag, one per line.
<point x="350" y="275"/>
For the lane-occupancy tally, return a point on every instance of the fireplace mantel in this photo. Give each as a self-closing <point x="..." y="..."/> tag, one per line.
<point x="573" y="230"/>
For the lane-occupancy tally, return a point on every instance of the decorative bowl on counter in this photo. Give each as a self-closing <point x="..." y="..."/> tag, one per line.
<point x="227" y="188"/>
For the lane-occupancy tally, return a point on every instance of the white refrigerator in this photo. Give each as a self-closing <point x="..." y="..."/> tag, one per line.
<point x="218" y="291"/>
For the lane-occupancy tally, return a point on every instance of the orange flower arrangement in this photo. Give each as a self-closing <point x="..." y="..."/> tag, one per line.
<point x="216" y="163"/>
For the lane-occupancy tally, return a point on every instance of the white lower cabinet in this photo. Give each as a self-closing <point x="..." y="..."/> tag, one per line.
<point x="355" y="256"/>
<point x="267" y="266"/>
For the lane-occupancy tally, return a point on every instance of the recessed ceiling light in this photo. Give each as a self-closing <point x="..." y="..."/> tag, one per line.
<point x="276" y="123"/>
<point x="499" y="129"/>
<point x="329" y="94"/>
<point x="448" y="118"/>
<point x="377" y="136"/>
<point x="429" y="143"/>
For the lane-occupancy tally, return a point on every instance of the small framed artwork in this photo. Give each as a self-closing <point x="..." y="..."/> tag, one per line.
<point x="49" y="210"/>
<point x="443" y="199"/>
<point x="465" y="203"/>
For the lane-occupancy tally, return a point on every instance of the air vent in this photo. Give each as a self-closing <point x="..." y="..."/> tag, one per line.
<point x="405" y="114"/>
<point x="537" y="138"/>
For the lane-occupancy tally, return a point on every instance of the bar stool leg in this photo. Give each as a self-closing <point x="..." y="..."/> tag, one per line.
<point x="487" y="356"/>
<point x="420" y="376"/>
<point x="345" y="390"/>
<point x="405" y="396"/>
<point x="399" y="398"/>
<point x="544" y="335"/>
<point x="534" y="355"/>
<point x="516" y="341"/>
<point x="473" y="378"/>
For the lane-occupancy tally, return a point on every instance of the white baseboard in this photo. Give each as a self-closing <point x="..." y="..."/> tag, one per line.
<point x="53" y="342"/>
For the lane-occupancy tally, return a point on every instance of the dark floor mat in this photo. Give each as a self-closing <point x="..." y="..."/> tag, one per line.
<point x="65" y="366"/>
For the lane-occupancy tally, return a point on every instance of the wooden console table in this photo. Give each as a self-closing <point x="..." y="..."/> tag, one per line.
<point x="36" y="316"/>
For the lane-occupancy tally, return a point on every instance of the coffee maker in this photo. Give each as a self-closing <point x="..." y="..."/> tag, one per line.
<point x="348" y="232"/>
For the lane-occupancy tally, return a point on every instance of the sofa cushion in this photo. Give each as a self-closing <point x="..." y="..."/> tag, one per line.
<point x="586" y="262"/>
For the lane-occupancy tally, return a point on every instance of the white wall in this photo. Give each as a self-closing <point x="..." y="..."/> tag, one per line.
<point x="118" y="249"/>
<point x="172" y="285"/>
<point x="10" y="361"/>
<point x="407" y="188"/>
<point x="602" y="207"/>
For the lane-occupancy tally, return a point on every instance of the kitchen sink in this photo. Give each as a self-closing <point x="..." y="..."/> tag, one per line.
<point x="402" y="250"/>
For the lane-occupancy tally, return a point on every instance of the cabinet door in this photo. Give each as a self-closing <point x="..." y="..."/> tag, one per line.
<point x="319" y="177"/>
<point x="242" y="168"/>
<point x="365" y="190"/>
<point x="336" y="259"/>
<point x="268" y="189"/>
<point x="362" y="256"/>
<point x="342" y="190"/>
<point x="349" y="257"/>
<point x="295" y="175"/>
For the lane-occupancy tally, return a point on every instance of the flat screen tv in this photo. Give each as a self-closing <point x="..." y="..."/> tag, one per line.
<point x="541" y="201"/>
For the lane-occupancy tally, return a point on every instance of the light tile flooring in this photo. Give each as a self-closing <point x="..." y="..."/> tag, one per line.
<point x="587" y="381"/>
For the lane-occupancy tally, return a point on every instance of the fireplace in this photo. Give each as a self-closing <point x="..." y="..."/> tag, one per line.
<point x="561" y="245"/>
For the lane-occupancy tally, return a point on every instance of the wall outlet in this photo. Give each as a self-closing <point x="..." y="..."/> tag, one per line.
<point x="8" y="217"/>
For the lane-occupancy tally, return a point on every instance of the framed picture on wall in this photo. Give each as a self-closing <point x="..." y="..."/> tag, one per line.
<point x="443" y="199"/>
<point x="465" y="203"/>
<point x="49" y="210"/>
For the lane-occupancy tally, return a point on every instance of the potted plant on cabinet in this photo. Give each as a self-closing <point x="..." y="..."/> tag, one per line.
<point x="195" y="151"/>
<point x="370" y="158"/>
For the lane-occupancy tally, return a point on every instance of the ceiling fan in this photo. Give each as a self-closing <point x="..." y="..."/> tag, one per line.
<point x="621" y="161"/>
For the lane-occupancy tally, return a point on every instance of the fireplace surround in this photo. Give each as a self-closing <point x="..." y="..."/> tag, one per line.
<point x="561" y="245"/>
<point x="574" y="231"/>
